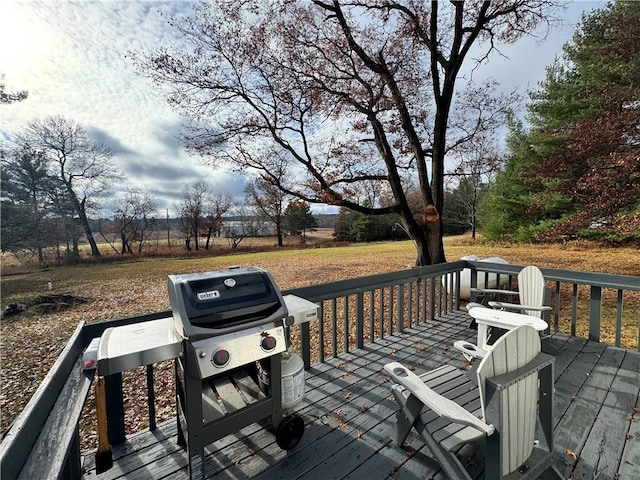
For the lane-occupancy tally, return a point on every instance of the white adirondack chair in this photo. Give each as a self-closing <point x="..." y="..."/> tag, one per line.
<point x="531" y="293"/>
<point x="513" y="388"/>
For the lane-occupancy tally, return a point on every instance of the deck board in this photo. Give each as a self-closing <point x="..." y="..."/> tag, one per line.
<point x="349" y="412"/>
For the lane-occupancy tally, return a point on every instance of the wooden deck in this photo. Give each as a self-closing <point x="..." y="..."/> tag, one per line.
<point x="349" y="411"/>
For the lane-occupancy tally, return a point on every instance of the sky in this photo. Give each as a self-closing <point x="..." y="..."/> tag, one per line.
<point x="71" y="58"/>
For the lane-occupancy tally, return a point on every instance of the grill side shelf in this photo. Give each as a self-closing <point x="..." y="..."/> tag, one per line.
<point x="130" y="346"/>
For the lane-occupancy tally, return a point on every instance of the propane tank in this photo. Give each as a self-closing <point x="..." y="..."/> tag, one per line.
<point x="292" y="379"/>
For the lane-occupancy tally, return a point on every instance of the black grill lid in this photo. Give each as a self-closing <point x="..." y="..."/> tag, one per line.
<point x="213" y="303"/>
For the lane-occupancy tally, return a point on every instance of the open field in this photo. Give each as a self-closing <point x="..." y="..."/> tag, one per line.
<point x="31" y="341"/>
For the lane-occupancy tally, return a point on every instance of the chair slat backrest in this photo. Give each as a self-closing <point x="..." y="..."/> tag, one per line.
<point x="513" y="350"/>
<point x="531" y="289"/>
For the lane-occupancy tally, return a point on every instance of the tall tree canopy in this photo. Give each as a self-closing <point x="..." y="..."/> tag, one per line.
<point x="81" y="167"/>
<point x="24" y="202"/>
<point x="578" y="164"/>
<point x="355" y="96"/>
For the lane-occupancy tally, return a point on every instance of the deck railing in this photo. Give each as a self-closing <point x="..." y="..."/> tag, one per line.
<point x="359" y="311"/>
<point x="597" y="306"/>
<point x="352" y="313"/>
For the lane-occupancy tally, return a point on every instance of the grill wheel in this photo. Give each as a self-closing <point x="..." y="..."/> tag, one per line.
<point x="289" y="431"/>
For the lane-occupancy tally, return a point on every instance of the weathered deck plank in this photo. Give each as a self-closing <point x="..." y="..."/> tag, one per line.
<point x="615" y="424"/>
<point x="580" y="392"/>
<point x="349" y="412"/>
<point x="607" y="434"/>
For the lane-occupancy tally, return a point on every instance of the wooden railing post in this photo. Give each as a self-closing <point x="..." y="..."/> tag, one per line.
<point x="305" y="341"/>
<point x="595" y="311"/>
<point x="151" y="398"/>
<point x="400" y="307"/>
<point x="546" y="316"/>
<point x="115" y="408"/>
<point x="359" y="320"/>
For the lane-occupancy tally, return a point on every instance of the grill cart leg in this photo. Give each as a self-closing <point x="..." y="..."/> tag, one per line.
<point x="182" y="442"/>
<point x="190" y="427"/>
<point x="196" y="463"/>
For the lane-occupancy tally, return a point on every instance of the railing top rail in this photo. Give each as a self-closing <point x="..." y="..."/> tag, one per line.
<point x="345" y="287"/>
<point x="605" y="280"/>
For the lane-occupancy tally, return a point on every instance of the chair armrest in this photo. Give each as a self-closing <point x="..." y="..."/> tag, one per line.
<point x="471" y="305"/>
<point x="541" y="361"/>
<point x="517" y="306"/>
<point x="440" y="405"/>
<point x="495" y="291"/>
<point x="469" y="349"/>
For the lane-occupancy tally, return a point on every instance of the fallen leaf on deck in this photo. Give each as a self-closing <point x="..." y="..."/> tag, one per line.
<point x="572" y="453"/>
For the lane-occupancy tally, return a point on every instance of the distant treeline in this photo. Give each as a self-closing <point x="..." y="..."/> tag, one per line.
<point x="174" y="224"/>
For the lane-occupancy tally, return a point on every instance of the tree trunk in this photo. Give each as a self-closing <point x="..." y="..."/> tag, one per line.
<point x="82" y="215"/>
<point x="429" y="249"/>
<point x="427" y="236"/>
<point x="208" y="237"/>
<point x="75" y="249"/>
<point x="279" y="234"/>
<point x="87" y="231"/>
<point x="434" y="241"/>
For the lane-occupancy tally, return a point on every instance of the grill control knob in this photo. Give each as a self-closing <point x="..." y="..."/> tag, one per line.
<point x="220" y="358"/>
<point x="268" y="343"/>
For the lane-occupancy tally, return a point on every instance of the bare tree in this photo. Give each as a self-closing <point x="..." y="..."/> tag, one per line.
<point x="245" y="224"/>
<point x="132" y="221"/>
<point x="477" y="165"/>
<point x="67" y="231"/>
<point x="264" y="193"/>
<point x="192" y="211"/>
<point x="346" y="92"/>
<point x="215" y="208"/>
<point x="10" y="97"/>
<point x="84" y="168"/>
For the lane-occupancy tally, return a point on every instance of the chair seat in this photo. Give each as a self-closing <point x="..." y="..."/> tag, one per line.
<point x="453" y="384"/>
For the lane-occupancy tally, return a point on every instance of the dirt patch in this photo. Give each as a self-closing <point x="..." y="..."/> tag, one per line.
<point x="44" y="304"/>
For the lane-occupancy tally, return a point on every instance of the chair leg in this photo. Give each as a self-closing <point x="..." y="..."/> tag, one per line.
<point x="548" y="347"/>
<point x="401" y="430"/>
<point x="406" y="417"/>
<point x="448" y="461"/>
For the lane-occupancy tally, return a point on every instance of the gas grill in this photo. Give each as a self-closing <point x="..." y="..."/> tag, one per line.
<point x="229" y="321"/>
<point x="228" y="335"/>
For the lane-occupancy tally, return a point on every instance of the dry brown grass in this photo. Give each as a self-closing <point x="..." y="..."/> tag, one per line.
<point x="30" y="343"/>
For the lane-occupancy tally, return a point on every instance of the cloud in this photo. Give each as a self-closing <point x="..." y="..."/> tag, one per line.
<point x="98" y="135"/>
<point x="71" y="56"/>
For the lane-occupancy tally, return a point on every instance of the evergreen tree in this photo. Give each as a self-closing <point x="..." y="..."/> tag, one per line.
<point x="576" y="170"/>
<point x="25" y="202"/>
<point x="298" y="218"/>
